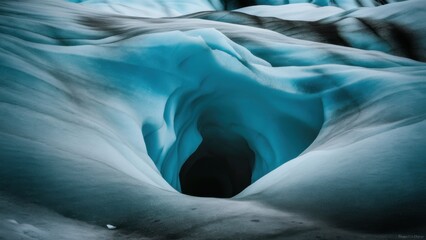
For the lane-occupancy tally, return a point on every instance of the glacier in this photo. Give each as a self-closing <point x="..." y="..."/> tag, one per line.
<point x="208" y="119"/>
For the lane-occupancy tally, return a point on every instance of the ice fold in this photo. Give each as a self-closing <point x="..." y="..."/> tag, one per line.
<point x="102" y="102"/>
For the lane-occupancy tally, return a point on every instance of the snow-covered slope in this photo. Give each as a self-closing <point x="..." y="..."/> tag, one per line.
<point x="110" y="108"/>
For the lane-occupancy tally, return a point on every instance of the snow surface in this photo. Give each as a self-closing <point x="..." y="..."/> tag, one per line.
<point x="102" y="102"/>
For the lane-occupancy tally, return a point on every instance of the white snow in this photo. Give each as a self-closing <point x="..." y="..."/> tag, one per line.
<point x="102" y="102"/>
<point x="111" y="227"/>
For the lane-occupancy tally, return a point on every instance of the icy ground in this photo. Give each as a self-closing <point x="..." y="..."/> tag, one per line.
<point x="309" y="116"/>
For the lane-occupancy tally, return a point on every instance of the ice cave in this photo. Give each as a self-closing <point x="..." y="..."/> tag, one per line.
<point x="212" y="119"/>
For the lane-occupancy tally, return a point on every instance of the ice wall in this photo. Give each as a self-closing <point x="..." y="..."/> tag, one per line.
<point x="102" y="102"/>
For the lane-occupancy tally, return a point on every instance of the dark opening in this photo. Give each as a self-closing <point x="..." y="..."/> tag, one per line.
<point x="235" y="4"/>
<point x="220" y="167"/>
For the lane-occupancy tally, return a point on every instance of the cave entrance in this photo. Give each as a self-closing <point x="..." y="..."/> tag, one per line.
<point x="221" y="166"/>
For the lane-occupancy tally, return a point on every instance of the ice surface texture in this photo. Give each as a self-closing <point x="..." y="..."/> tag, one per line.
<point x="102" y="102"/>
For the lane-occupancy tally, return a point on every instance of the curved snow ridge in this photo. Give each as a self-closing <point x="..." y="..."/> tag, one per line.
<point x="156" y="8"/>
<point x="388" y="28"/>
<point x="366" y="28"/>
<point x="99" y="119"/>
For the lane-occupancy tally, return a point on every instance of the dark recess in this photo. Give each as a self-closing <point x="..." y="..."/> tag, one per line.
<point x="219" y="168"/>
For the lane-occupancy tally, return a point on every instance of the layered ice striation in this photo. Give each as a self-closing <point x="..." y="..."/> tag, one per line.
<point x="278" y="119"/>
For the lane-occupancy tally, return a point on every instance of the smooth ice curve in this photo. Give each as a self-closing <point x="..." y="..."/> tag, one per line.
<point x="308" y="116"/>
